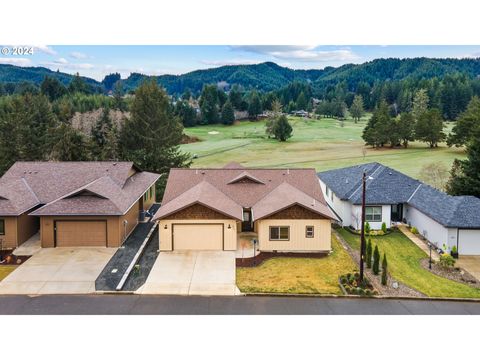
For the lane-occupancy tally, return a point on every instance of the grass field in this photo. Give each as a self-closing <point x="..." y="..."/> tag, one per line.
<point x="5" y="270"/>
<point x="297" y="275"/>
<point x="404" y="265"/>
<point x="322" y="144"/>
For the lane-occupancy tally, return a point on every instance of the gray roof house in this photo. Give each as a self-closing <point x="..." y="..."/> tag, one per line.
<point x="393" y="197"/>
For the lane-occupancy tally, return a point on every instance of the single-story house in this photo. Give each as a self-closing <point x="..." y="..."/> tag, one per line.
<point x="393" y="197"/>
<point x="73" y="203"/>
<point x="207" y="209"/>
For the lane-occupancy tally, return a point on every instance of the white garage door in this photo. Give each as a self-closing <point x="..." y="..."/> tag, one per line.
<point x="469" y="242"/>
<point x="197" y="237"/>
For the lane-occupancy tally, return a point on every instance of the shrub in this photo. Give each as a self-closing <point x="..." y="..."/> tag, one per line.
<point x="384" y="227"/>
<point x="447" y="260"/>
<point x="367" y="227"/>
<point x="454" y="249"/>
<point x="376" y="261"/>
<point x="384" y="270"/>
<point x="414" y="230"/>
<point x="369" y="253"/>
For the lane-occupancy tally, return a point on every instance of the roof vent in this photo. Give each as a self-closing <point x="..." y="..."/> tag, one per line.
<point x="203" y="172"/>
<point x="390" y="173"/>
<point x="114" y="164"/>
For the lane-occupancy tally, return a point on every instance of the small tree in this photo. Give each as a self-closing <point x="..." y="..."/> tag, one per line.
<point x="376" y="261"/>
<point x="384" y="227"/>
<point x="282" y="128"/>
<point x="369" y="253"/>
<point x="356" y="110"/>
<point x="384" y="270"/>
<point x="228" y="115"/>
<point x="367" y="228"/>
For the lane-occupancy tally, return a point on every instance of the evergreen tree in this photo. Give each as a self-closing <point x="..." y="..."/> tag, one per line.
<point x="110" y="80"/>
<point x="118" y="93"/>
<point x="151" y="136"/>
<point x="377" y="131"/>
<point x="270" y="122"/>
<point x="429" y="128"/>
<point x="282" y="129"/>
<point x="236" y="97"/>
<point x="405" y="127"/>
<point x="104" y="138"/>
<point x="228" y="115"/>
<point x="69" y="144"/>
<point x="186" y="113"/>
<point x="209" y="104"/>
<point x="52" y="88"/>
<point x="384" y="270"/>
<point x="369" y="253"/>
<point x="255" y="105"/>
<point x="465" y="174"/>
<point x="376" y="261"/>
<point x="356" y="110"/>
<point x="78" y="85"/>
<point x="466" y="125"/>
<point x="302" y="102"/>
<point x="420" y="104"/>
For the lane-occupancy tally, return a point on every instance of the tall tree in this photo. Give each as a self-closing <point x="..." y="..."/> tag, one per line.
<point x="282" y="128"/>
<point x="405" y="127"/>
<point x="429" y="128"/>
<point x="152" y="134"/>
<point x="69" y="144"/>
<point x="420" y="103"/>
<point x="118" y="93"/>
<point x="52" y="88"/>
<point x="186" y="113"/>
<point x="228" y="115"/>
<point x="376" y="133"/>
<point x="466" y="125"/>
<point x="255" y="105"/>
<point x="465" y="174"/>
<point x="209" y="104"/>
<point x="78" y="85"/>
<point x="104" y="138"/>
<point x="301" y="101"/>
<point x="356" y="110"/>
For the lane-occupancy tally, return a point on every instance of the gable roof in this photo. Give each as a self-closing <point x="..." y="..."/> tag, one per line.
<point x="77" y="188"/>
<point x="182" y="189"/>
<point x="388" y="186"/>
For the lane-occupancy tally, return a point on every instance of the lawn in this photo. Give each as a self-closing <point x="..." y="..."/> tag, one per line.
<point x="404" y="265"/>
<point x="322" y="144"/>
<point x="298" y="275"/>
<point x="5" y="270"/>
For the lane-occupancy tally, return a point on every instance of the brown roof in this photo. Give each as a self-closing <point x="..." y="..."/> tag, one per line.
<point x="16" y="197"/>
<point x="263" y="190"/>
<point x="78" y="188"/>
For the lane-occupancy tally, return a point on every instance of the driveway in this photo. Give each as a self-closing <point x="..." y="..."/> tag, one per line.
<point x="58" y="271"/>
<point x="192" y="273"/>
<point x="471" y="264"/>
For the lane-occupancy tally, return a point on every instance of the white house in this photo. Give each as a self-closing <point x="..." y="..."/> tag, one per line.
<point x="393" y="197"/>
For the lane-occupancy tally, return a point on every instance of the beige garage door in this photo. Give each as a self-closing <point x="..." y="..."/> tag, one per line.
<point x="197" y="237"/>
<point x="81" y="233"/>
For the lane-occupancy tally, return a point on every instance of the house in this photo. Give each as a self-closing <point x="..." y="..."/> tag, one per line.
<point x="208" y="209"/>
<point x="73" y="203"/>
<point x="393" y="197"/>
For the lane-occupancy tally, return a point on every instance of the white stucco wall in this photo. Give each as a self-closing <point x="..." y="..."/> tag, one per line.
<point x="435" y="232"/>
<point x="342" y="208"/>
<point x="374" y="225"/>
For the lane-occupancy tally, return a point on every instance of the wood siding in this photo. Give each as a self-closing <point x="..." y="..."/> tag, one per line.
<point x="295" y="212"/>
<point x="298" y="241"/>
<point x="9" y="240"/>
<point x="81" y="233"/>
<point x="229" y="235"/>
<point x="27" y="226"/>
<point x="132" y="220"/>
<point x="196" y="212"/>
<point x="150" y="200"/>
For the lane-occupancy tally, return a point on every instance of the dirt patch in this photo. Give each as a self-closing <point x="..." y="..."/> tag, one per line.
<point x="456" y="274"/>
<point x="189" y="139"/>
<point x="260" y="258"/>
<point x="7" y="258"/>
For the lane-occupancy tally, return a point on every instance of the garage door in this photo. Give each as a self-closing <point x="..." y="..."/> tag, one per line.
<point x="469" y="242"/>
<point x="81" y="233"/>
<point x="197" y="237"/>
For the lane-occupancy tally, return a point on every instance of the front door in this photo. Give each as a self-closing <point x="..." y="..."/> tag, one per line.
<point x="247" y="220"/>
<point x="397" y="213"/>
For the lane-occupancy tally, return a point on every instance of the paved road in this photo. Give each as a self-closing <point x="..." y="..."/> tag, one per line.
<point x="173" y="305"/>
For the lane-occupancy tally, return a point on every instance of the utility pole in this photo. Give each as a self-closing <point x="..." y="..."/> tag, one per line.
<point x="362" y="231"/>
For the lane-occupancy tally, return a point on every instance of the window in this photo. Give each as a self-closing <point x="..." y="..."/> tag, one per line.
<point x="2" y="227"/>
<point x="279" y="233"/>
<point x="309" y="232"/>
<point x="373" y="213"/>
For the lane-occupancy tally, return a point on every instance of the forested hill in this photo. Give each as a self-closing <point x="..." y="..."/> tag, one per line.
<point x="270" y="76"/>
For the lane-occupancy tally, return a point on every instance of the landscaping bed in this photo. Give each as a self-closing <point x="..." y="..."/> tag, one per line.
<point x="453" y="273"/>
<point x="9" y="259"/>
<point x="263" y="256"/>
<point x="352" y="285"/>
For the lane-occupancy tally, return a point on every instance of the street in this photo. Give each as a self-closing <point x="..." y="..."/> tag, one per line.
<point x="225" y="305"/>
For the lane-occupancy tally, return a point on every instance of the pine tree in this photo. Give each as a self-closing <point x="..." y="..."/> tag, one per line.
<point x="301" y="101"/>
<point x="282" y="129"/>
<point x="356" y="110"/>
<point x="466" y="124"/>
<point x="152" y="134"/>
<point x="228" y="115"/>
<point x="376" y="261"/>
<point x="378" y="129"/>
<point x="405" y="125"/>
<point x="384" y="270"/>
<point x="255" y="105"/>
<point x="209" y="105"/>
<point x="70" y="144"/>
<point x="420" y="104"/>
<point x="104" y="138"/>
<point x="429" y="128"/>
<point x="369" y="253"/>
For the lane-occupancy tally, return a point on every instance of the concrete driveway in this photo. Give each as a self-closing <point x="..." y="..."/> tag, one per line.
<point x="471" y="264"/>
<point x="192" y="273"/>
<point x="58" y="271"/>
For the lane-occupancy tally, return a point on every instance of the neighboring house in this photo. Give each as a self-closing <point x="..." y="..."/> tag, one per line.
<point x="393" y="197"/>
<point x="208" y="209"/>
<point x="73" y="203"/>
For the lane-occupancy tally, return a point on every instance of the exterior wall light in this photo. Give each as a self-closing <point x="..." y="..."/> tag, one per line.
<point x="229" y="226"/>
<point x="165" y="227"/>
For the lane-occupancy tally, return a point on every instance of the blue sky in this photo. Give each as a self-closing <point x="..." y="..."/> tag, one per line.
<point x="98" y="61"/>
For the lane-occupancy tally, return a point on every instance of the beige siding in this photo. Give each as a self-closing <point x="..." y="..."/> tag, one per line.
<point x="81" y="233"/>
<point x="150" y="199"/>
<point x="229" y="235"/>
<point x="298" y="240"/>
<point x="27" y="226"/>
<point x="132" y="220"/>
<point x="197" y="236"/>
<point x="9" y="240"/>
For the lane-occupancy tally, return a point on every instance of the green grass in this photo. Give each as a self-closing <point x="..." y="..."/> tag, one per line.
<point x="298" y="275"/>
<point x="5" y="270"/>
<point x="322" y="144"/>
<point x="404" y="265"/>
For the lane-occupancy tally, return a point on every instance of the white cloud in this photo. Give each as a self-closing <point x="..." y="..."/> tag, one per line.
<point x="64" y="64"/>
<point x="78" y="55"/>
<point x="16" y="61"/>
<point x="61" y="61"/>
<point x="230" y="62"/>
<point x="45" y="49"/>
<point x="307" y="53"/>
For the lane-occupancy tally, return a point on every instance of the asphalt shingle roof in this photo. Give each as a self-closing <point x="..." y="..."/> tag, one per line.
<point x="388" y="186"/>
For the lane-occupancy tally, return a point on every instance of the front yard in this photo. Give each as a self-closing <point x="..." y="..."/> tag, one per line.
<point x="404" y="265"/>
<point x="298" y="275"/>
<point x="5" y="270"/>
